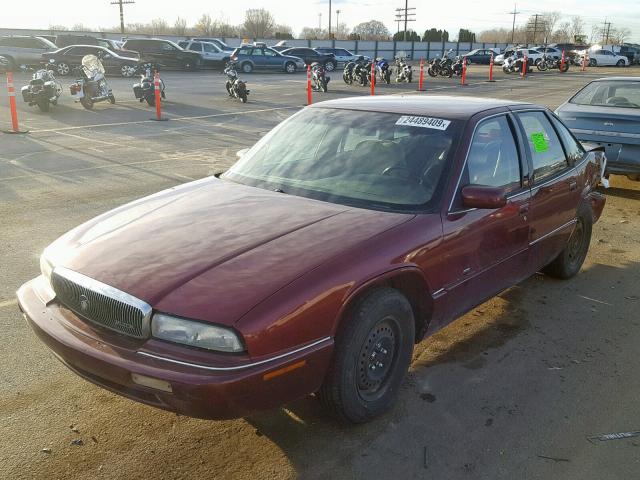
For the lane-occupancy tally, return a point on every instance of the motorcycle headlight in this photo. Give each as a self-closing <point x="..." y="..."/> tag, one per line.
<point x="195" y="334"/>
<point x="51" y="60"/>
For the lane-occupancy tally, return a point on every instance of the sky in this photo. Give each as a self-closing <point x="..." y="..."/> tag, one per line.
<point x="474" y="15"/>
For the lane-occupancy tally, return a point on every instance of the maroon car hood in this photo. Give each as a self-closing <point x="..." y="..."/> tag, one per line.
<point x="213" y="249"/>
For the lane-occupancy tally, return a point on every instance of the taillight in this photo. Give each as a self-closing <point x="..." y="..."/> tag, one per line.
<point x="74" y="88"/>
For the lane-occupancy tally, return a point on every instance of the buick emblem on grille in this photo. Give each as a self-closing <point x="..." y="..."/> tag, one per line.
<point x="84" y="303"/>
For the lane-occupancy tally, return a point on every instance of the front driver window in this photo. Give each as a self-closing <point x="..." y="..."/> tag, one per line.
<point x="493" y="157"/>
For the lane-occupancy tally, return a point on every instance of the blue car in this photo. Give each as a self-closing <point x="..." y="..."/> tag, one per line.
<point x="260" y="57"/>
<point x="607" y="112"/>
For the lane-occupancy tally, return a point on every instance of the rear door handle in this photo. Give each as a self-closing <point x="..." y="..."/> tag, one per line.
<point x="573" y="185"/>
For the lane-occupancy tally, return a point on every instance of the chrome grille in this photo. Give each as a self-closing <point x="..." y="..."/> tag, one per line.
<point x="101" y="304"/>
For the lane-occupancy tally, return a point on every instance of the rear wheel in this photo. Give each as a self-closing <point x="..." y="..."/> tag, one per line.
<point x="127" y="71"/>
<point x="247" y="67"/>
<point x="330" y="66"/>
<point x="432" y="73"/>
<point x="593" y="62"/>
<point x="371" y="356"/>
<point x="63" y="69"/>
<point x="151" y="100"/>
<point x="112" y="99"/>
<point x="570" y="260"/>
<point x="290" y="67"/>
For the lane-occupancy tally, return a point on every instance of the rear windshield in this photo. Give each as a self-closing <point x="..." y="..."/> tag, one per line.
<point x="614" y="93"/>
<point x="368" y="159"/>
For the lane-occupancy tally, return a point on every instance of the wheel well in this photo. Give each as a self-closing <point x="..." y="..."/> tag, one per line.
<point x="413" y="286"/>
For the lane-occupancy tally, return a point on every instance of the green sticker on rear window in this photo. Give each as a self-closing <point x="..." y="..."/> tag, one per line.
<point x="540" y="144"/>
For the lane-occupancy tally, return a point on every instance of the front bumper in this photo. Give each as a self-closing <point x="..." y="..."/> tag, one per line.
<point x="234" y="389"/>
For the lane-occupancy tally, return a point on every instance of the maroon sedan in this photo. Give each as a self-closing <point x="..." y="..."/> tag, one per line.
<point x="347" y="234"/>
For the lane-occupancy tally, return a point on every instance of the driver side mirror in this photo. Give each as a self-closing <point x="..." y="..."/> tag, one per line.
<point x="483" y="197"/>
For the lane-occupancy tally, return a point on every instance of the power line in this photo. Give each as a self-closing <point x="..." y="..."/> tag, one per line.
<point x="121" y="3"/>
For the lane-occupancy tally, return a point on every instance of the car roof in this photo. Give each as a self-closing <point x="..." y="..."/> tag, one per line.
<point x="445" y="105"/>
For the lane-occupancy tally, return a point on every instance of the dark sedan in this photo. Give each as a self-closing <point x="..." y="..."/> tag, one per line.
<point x="480" y="55"/>
<point x="309" y="56"/>
<point x="607" y="112"/>
<point x="66" y="59"/>
<point x="344" y="236"/>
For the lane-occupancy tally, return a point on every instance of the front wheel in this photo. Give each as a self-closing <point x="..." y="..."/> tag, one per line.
<point x="593" y="62"/>
<point x="432" y="72"/>
<point x="371" y="356"/>
<point x="43" y="105"/>
<point x="330" y="66"/>
<point x="290" y="67"/>
<point x="564" y="67"/>
<point x="86" y="102"/>
<point x="542" y="66"/>
<point x="151" y="100"/>
<point x="570" y="260"/>
<point x="112" y="100"/>
<point x="620" y="63"/>
<point x="247" y="67"/>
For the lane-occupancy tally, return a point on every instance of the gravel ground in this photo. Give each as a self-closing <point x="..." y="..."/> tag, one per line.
<point x="511" y="390"/>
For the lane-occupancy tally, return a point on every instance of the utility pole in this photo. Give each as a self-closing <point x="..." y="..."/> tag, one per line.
<point x="402" y="15"/>
<point x="121" y="3"/>
<point x="320" y="21"/>
<point x="605" y="32"/>
<point x="535" y="26"/>
<point x="329" y="18"/>
<point x="513" y="26"/>
<point x="338" y="21"/>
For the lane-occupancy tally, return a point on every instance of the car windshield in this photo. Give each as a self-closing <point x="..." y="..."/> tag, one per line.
<point x="368" y="159"/>
<point x="613" y="93"/>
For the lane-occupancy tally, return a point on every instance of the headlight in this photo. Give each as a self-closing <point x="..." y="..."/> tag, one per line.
<point x="46" y="266"/>
<point x="52" y="60"/>
<point x="195" y="334"/>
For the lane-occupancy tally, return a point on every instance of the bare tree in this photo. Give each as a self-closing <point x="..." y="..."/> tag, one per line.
<point x="159" y="26"/>
<point x="313" y="33"/>
<point x="549" y="22"/>
<point x="619" y="35"/>
<point x="180" y="26"/>
<point x="79" y="27"/>
<point x="205" y="25"/>
<point x="563" y="33"/>
<point x="58" y="28"/>
<point x="259" y="23"/>
<point x="577" y="28"/>
<point x="371" y="30"/>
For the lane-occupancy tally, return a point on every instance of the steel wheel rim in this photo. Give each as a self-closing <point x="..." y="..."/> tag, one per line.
<point x="377" y="359"/>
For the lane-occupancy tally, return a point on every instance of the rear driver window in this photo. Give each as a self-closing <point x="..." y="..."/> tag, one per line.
<point x="545" y="147"/>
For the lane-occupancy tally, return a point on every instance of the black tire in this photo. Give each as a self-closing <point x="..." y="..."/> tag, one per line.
<point x="247" y="67"/>
<point x="387" y="77"/>
<point x="63" y="69"/>
<point x="243" y="96"/>
<point x="563" y="68"/>
<point x="192" y="65"/>
<point x="151" y="100"/>
<point x="570" y="260"/>
<point x="87" y="103"/>
<point x="593" y="62"/>
<point x="43" y="105"/>
<point x="410" y="77"/>
<point x="372" y="353"/>
<point x="7" y="64"/>
<point x="432" y="72"/>
<point x="290" y="67"/>
<point x="347" y="79"/>
<point x="112" y="100"/>
<point x="620" y="63"/>
<point x="323" y="86"/>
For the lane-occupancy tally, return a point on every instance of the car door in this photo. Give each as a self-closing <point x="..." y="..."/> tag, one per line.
<point x="487" y="249"/>
<point x="554" y="188"/>
<point x="212" y="53"/>
<point x="73" y="56"/>
<point x="272" y="59"/>
<point x="258" y="59"/>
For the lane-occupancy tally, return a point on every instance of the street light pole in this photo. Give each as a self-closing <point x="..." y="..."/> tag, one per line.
<point x="338" y="21"/>
<point x="329" y="18"/>
<point x="320" y="21"/>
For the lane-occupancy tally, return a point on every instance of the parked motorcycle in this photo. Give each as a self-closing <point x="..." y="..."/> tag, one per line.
<point x="43" y="90"/>
<point x="403" y="71"/>
<point x="349" y="69"/>
<point x="92" y="87"/>
<point x="457" y="67"/>
<point x="383" y="70"/>
<point x="362" y="73"/>
<point x="145" y="90"/>
<point x="515" y="63"/>
<point x="236" y="88"/>
<point x="548" y="62"/>
<point x="440" y="66"/>
<point x="319" y="79"/>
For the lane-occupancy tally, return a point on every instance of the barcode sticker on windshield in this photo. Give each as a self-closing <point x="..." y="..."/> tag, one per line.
<point x="423" y="122"/>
